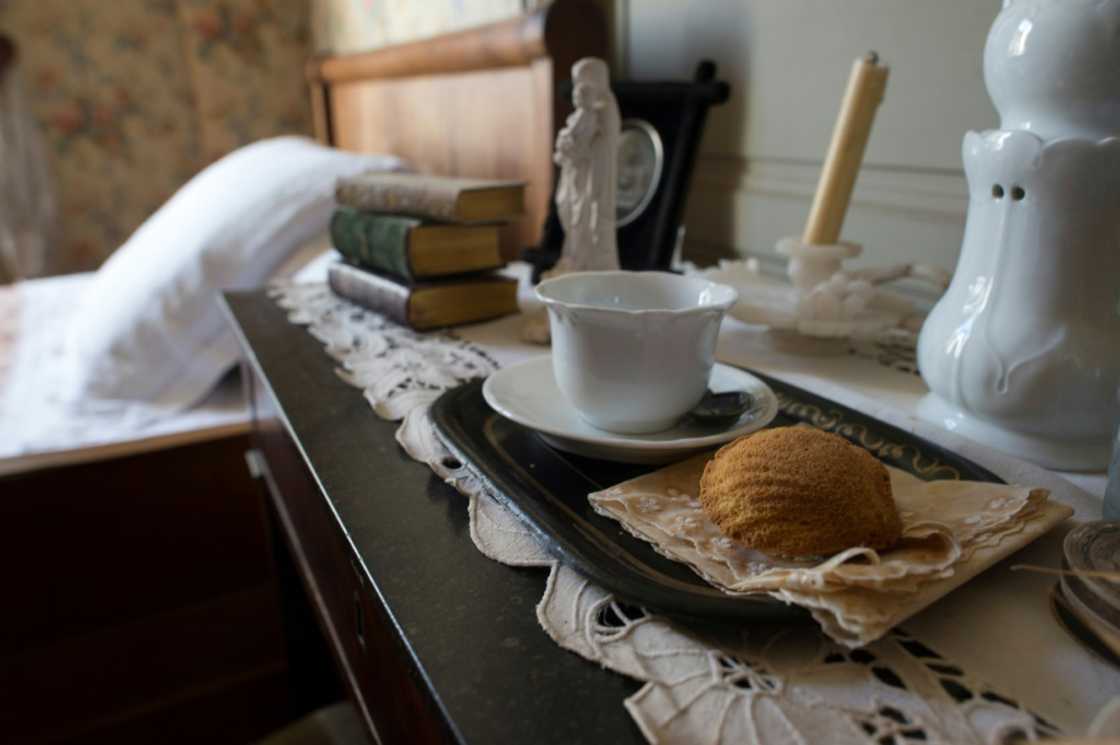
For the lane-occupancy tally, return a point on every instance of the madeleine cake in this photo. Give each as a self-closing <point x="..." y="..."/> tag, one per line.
<point x="799" y="491"/>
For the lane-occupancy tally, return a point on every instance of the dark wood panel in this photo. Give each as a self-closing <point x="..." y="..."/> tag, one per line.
<point x="142" y="604"/>
<point x="127" y="672"/>
<point x="86" y="546"/>
<point x="243" y="711"/>
<point x="373" y="663"/>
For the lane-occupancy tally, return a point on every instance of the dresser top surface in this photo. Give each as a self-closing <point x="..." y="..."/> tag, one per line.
<point x="469" y="623"/>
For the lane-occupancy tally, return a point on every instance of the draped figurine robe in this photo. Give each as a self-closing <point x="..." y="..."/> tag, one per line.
<point x="587" y="153"/>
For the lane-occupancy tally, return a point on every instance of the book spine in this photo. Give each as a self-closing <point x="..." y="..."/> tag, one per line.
<point x="374" y="241"/>
<point x="422" y="199"/>
<point x="370" y="291"/>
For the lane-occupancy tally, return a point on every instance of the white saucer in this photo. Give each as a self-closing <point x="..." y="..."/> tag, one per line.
<point x="527" y="393"/>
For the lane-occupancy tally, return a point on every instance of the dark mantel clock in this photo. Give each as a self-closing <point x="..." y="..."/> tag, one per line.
<point x="661" y="127"/>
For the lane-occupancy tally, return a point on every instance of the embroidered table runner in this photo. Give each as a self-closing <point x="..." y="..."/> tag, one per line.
<point x="756" y="684"/>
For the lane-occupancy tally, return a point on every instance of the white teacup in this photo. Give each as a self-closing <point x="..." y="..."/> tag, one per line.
<point x="632" y="351"/>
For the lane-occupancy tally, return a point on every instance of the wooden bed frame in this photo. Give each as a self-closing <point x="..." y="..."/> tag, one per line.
<point x="499" y="85"/>
<point x="144" y="594"/>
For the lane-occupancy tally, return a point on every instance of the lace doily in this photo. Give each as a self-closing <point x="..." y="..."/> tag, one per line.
<point x="765" y="685"/>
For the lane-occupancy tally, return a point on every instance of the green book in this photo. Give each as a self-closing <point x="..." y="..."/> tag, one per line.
<point x="412" y="248"/>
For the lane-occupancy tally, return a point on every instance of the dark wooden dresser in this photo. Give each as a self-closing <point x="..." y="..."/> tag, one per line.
<point x="435" y="642"/>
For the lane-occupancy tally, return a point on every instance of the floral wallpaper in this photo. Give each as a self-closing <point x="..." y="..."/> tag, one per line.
<point x="136" y="96"/>
<point x="113" y="97"/>
<point x="246" y="60"/>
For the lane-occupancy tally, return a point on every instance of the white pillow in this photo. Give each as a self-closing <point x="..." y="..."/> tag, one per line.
<point x="149" y="327"/>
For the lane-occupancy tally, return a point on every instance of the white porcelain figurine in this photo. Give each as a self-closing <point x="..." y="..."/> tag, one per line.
<point x="587" y="154"/>
<point x="1023" y="350"/>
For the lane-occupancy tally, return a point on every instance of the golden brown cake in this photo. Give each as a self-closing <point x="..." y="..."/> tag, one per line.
<point x="799" y="491"/>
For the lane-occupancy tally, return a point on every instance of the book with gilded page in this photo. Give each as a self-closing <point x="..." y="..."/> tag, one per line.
<point x="426" y="305"/>
<point x="412" y="249"/>
<point x="435" y="197"/>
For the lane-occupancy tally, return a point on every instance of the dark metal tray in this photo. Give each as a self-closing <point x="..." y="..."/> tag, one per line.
<point x="548" y="490"/>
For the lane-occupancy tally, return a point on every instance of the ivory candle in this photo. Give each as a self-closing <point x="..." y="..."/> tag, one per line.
<point x="866" y="86"/>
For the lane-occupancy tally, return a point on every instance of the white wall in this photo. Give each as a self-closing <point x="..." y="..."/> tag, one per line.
<point x="788" y="62"/>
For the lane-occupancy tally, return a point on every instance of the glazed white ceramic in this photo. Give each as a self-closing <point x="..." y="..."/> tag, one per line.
<point x="587" y="190"/>
<point x="632" y="351"/>
<point x="1051" y="67"/>
<point x="1023" y="350"/>
<point x="528" y="394"/>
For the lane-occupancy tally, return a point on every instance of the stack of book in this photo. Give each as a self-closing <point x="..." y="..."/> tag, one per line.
<point x="422" y="250"/>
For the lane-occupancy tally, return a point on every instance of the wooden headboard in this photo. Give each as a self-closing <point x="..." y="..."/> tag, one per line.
<point x="481" y="102"/>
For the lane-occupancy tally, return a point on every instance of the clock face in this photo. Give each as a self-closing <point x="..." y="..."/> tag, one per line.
<point x="640" y="160"/>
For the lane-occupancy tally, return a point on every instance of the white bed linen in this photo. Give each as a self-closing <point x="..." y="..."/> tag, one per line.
<point x="148" y="328"/>
<point x="37" y="428"/>
<point x="40" y="430"/>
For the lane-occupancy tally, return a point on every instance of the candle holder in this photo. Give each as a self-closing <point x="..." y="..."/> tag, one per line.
<point x="823" y="300"/>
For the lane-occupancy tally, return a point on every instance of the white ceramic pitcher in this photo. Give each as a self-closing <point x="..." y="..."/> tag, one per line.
<point x="1023" y="350"/>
